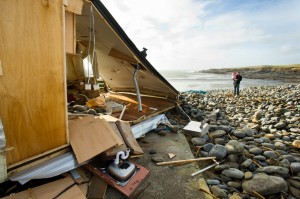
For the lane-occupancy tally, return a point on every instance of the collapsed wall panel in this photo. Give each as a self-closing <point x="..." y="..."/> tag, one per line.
<point x="32" y="86"/>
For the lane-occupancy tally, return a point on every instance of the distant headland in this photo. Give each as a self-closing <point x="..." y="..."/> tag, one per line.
<point x="287" y="73"/>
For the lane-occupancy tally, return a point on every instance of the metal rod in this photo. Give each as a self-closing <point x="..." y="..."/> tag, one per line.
<point x="137" y="87"/>
<point x="204" y="169"/>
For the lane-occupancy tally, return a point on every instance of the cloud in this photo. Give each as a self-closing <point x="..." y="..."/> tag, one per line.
<point x="197" y="34"/>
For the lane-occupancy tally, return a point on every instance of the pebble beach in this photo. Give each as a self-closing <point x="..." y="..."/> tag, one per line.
<point x="256" y="136"/>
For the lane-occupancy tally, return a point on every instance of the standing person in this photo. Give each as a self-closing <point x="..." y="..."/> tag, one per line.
<point x="237" y="78"/>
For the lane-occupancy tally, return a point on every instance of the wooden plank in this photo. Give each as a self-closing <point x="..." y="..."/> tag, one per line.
<point x="74" y="6"/>
<point x="51" y="190"/>
<point x="32" y="89"/>
<point x="91" y="136"/>
<point x="70" y="33"/>
<point x="97" y="188"/>
<point x="130" y="141"/>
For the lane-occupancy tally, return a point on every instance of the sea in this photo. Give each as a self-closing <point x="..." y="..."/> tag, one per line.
<point x="192" y="80"/>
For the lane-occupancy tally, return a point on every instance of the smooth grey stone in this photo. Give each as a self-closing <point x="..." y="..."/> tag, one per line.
<point x="212" y="181"/>
<point x="204" y="153"/>
<point x="255" y="151"/>
<point x="239" y="134"/>
<point x="295" y="192"/>
<point x="246" y="163"/>
<point x="220" y="141"/>
<point x="218" y="151"/>
<point x="286" y="138"/>
<point x="259" y="157"/>
<point x="198" y="141"/>
<point x="222" y="167"/>
<point x="266" y="140"/>
<point x="274" y="169"/>
<point x="269" y="145"/>
<point x="295" y="167"/>
<point x="218" y="192"/>
<point x="294" y="183"/>
<point x="280" y="145"/>
<point x="207" y="147"/>
<point x="233" y="173"/>
<point x="259" y="140"/>
<point x="248" y="131"/>
<point x="289" y="157"/>
<point x="270" y="154"/>
<point x="248" y="175"/>
<point x="157" y="158"/>
<point x="233" y="147"/>
<point x="265" y="184"/>
<point x="233" y="184"/>
<point x="222" y="186"/>
<point x="217" y="133"/>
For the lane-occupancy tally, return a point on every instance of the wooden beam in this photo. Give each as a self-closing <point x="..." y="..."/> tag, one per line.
<point x="117" y="54"/>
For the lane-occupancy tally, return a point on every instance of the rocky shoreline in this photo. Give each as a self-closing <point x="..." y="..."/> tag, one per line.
<point x="257" y="135"/>
<point x="289" y="74"/>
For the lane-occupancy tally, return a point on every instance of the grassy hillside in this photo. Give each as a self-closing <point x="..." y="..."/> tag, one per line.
<point x="288" y="73"/>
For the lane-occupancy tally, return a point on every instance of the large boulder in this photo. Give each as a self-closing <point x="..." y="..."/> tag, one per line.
<point x="265" y="184"/>
<point x="233" y="147"/>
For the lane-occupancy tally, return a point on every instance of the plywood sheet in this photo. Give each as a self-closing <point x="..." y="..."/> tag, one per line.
<point x="32" y="87"/>
<point x="125" y="130"/>
<point x="91" y="136"/>
<point x="110" y="153"/>
<point x="51" y="190"/>
<point x="97" y="188"/>
<point x="70" y="32"/>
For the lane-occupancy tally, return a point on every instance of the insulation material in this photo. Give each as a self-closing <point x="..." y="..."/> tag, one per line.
<point x="3" y="169"/>
<point x="144" y="127"/>
<point x="51" y="168"/>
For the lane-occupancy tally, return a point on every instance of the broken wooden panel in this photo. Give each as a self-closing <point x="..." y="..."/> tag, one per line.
<point x="32" y="87"/>
<point x="110" y="153"/>
<point x="70" y="37"/>
<point x="130" y="141"/>
<point x="97" y="188"/>
<point x="65" y="187"/>
<point x="91" y="136"/>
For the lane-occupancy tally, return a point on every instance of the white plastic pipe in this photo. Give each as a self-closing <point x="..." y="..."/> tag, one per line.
<point x="123" y="156"/>
<point x="137" y="87"/>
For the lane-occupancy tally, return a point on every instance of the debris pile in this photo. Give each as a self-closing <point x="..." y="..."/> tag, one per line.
<point x="256" y="134"/>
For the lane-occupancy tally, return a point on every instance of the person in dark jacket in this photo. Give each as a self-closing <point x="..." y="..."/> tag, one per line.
<point x="236" y="83"/>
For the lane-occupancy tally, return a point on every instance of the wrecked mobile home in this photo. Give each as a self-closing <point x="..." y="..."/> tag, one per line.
<point x="73" y="88"/>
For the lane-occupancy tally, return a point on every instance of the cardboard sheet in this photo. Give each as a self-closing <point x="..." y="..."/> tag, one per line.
<point x="91" y="136"/>
<point x="51" y="190"/>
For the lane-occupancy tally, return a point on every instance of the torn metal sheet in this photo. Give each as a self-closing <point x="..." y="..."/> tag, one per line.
<point x="144" y="127"/>
<point x="48" y="169"/>
<point x="195" y="126"/>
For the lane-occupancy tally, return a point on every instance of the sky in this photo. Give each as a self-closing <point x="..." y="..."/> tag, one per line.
<point x="201" y="34"/>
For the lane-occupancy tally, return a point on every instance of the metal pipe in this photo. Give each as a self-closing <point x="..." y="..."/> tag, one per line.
<point x="137" y="87"/>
